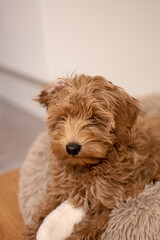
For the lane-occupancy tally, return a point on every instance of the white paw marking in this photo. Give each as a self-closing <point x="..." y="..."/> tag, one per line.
<point x="59" y="223"/>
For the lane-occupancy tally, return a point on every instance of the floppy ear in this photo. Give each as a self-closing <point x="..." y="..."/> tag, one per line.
<point x="125" y="110"/>
<point x="45" y="96"/>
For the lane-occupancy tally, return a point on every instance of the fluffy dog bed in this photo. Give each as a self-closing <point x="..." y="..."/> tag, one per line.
<point x="138" y="218"/>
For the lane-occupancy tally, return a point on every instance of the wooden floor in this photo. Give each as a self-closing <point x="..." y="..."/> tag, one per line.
<point x="11" y="223"/>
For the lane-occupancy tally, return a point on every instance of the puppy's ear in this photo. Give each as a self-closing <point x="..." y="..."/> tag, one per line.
<point x="125" y="109"/>
<point x="45" y="96"/>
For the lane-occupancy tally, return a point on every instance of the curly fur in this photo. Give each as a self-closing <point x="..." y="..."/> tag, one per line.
<point x="119" y="154"/>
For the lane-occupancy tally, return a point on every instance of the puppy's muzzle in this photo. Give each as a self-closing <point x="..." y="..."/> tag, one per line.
<point x="73" y="148"/>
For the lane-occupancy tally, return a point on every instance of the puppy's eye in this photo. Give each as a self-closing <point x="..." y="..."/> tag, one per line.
<point x="112" y="131"/>
<point x="91" y="122"/>
<point x="61" y="119"/>
<point x="90" y="125"/>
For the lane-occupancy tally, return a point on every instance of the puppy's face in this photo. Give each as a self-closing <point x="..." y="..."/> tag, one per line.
<point x="87" y="118"/>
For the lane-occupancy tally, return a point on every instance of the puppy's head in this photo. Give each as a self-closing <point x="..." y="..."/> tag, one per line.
<point x="87" y="118"/>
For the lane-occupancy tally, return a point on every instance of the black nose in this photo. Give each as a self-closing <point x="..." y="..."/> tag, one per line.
<point x="73" y="148"/>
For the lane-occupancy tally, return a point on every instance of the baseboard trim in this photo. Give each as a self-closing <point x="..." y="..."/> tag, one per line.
<point x="24" y="76"/>
<point x="20" y="91"/>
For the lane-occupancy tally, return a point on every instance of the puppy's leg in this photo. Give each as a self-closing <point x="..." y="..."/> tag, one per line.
<point x="44" y="209"/>
<point x="91" y="228"/>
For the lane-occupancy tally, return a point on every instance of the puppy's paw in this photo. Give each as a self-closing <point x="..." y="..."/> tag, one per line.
<point x="58" y="225"/>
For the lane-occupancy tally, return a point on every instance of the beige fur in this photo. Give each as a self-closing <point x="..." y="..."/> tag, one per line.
<point x="138" y="218"/>
<point x="34" y="177"/>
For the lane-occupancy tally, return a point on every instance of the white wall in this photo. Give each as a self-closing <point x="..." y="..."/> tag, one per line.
<point x="23" y="38"/>
<point x="117" y="39"/>
<point x="44" y="39"/>
<point x="18" y="91"/>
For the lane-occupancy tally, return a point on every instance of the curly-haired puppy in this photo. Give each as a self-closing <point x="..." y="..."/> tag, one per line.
<point x="103" y="151"/>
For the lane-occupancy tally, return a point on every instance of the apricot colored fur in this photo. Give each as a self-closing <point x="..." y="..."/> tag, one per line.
<point x="120" y="151"/>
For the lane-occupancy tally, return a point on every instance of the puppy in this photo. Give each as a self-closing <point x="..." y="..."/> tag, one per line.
<point x="104" y="151"/>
